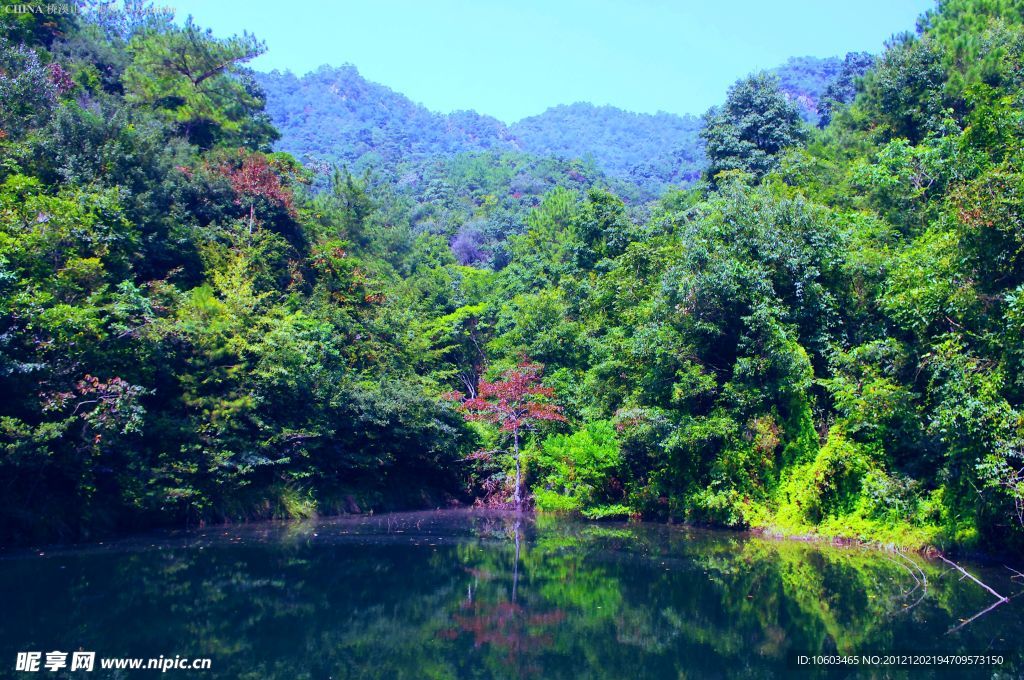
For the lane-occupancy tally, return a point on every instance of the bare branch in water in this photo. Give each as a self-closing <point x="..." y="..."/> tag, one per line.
<point x="917" y="584"/>
<point x="967" y="575"/>
<point x="1000" y="600"/>
<point x="978" y="615"/>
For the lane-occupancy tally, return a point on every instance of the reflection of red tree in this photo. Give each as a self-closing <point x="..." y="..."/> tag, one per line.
<point x="505" y="625"/>
<point x="480" y="574"/>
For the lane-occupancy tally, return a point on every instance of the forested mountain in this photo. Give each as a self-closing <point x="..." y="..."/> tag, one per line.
<point x="334" y="115"/>
<point x="471" y="178"/>
<point x="821" y="335"/>
<point x="811" y="82"/>
<point x="805" y="79"/>
<point x="651" y="151"/>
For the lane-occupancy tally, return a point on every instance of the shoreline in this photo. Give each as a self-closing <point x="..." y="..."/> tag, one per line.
<point x="165" y="533"/>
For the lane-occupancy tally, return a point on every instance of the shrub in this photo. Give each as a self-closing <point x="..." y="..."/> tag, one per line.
<point x="577" y="470"/>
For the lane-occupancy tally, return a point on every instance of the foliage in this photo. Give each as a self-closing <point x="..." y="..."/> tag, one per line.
<point x="577" y="471"/>
<point x="842" y="89"/>
<point x="751" y="129"/>
<point x="188" y="335"/>
<point x="806" y="81"/>
<point x="515" y="403"/>
<point x="28" y="92"/>
<point x="193" y="80"/>
<point x="823" y="335"/>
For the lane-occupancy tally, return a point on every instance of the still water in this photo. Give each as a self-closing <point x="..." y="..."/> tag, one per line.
<point x="464" y="594"/>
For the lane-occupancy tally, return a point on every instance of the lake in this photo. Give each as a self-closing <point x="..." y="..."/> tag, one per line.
<point x="473" y="594"/>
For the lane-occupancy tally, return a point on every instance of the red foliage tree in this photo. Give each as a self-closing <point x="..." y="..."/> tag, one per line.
<point x="60" y="78"/>
<point x="256" y="178"/>
<point x="512" y="404"/>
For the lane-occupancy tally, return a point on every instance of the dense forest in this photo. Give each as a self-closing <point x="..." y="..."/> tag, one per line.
<point x="335" y="116"/>
<point x="473" y="180"/>
<point x="822" y="334"/>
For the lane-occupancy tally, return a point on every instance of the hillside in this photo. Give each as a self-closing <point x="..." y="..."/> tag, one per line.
<point x="651" y="151"/>
<point x="805" y="79"/>
<point x="823" y="335"/>
<point x="335" y="116"/>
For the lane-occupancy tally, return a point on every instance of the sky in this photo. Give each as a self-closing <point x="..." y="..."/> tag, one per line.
<point x="512" y="59"/>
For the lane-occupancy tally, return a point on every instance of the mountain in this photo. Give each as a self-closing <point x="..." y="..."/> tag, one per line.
<point x="649" y="150"/>
<point x="805" y="79"/>
<point x="335" y="116"/>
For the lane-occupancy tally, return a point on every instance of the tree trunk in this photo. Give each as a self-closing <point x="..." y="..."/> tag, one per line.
<point x="515" y="568"/>
<point x="518" y="496"/>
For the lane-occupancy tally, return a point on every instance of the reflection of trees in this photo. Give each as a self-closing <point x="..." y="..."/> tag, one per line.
<point x="516" y="630"/>
<point x="501" y="597"/>
<point x="509" y="627"/>
<point x="687" y="601"/>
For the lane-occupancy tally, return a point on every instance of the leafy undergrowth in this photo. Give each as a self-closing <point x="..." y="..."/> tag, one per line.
<point x="860" y="529"/>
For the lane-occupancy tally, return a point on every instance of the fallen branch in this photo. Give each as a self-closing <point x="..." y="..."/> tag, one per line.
<point x="1000" y="600"/>
<point x="978" y="615"/>
<point x="967" y="575"/>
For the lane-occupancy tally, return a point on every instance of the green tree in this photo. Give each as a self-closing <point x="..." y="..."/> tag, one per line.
<point x="905" y="93"/>
<point x="196" y="82"/>
<point x="749" y="132"/>
<point x="28" y="93"/>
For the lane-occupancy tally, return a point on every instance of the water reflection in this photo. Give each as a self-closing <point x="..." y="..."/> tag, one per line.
<point x="478" y="595"/>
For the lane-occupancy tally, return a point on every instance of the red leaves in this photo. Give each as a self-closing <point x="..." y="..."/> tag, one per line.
<point x="453" y="395"/>
<point x="257" y="177"/>
<point x="60" y="78"/>
<point x="511" y="402"/>
<point x="107" y="405"/>
<point x="507" y="626"/>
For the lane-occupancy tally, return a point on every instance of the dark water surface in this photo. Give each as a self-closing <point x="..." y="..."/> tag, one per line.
<point x="463" y="594"/>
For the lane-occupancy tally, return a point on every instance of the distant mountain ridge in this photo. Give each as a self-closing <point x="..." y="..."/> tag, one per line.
<point x="650" y="150"/>
<point x="335" y="116"/>
<point x="805" y="80"/>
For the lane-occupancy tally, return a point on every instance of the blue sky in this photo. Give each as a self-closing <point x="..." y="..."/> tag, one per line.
<point x="515" y="59"/>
